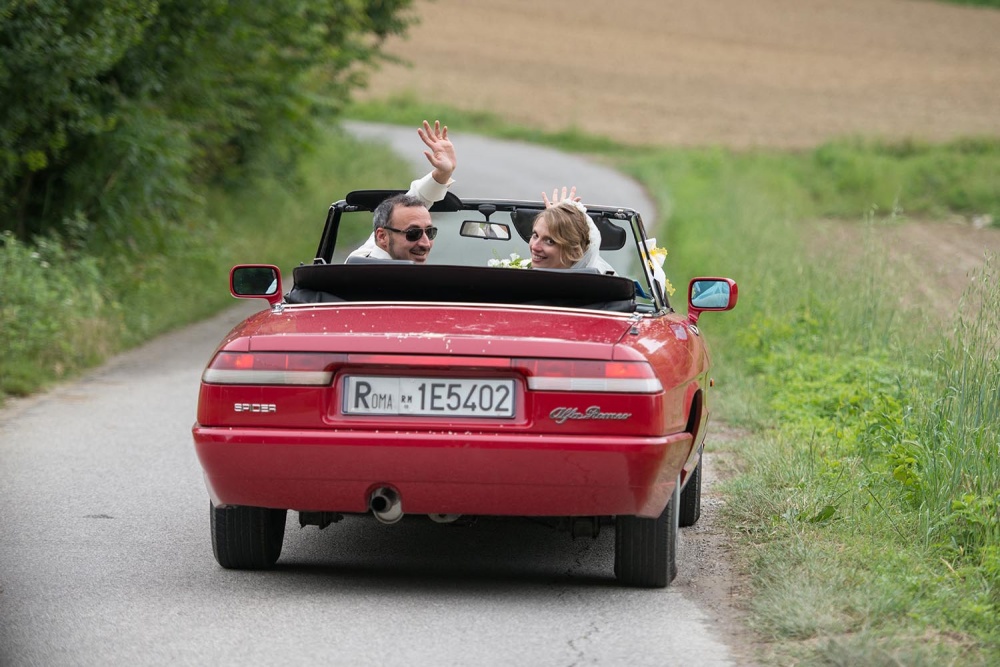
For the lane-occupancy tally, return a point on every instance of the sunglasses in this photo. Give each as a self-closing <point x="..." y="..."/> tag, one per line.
<point x="413" y="234"/>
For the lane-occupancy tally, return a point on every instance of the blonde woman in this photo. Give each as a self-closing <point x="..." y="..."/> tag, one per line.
<point x="564" y="237"/>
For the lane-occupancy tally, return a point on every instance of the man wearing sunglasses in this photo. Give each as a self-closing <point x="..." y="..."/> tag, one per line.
<point x="403" y="229"/>
<point x="402" y="223"/>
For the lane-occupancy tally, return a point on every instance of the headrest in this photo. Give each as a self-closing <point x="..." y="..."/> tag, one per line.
<point x="370" y="199"/>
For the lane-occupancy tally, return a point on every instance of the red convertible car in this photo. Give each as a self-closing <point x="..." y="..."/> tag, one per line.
<point x="455" y="389"/>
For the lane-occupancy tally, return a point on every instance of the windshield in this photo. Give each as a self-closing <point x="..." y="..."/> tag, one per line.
<point x="451" y="247"/>
<point x="468" y="238"/>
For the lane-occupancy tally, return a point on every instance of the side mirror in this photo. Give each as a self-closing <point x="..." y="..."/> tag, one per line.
<point x="711" y="294"/>
<point x="249" y="281"/>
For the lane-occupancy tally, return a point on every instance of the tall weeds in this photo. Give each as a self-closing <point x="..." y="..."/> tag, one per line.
<point x="870" y="493"/>
<point x="958" y="465"/>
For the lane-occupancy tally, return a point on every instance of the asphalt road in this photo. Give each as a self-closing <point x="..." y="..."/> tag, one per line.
<point x="106" y="559"/>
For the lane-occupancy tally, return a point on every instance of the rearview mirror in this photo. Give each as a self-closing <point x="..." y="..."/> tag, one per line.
<point x="485" y="230"/>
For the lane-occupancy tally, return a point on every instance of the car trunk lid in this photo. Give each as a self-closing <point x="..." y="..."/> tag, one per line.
<point x="441" y="329"/>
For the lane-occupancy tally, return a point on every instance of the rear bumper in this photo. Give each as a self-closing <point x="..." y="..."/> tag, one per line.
<point x="442" y="473"/>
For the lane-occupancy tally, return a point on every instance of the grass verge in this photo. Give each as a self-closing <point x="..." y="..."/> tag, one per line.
<point x="868" y="506"/>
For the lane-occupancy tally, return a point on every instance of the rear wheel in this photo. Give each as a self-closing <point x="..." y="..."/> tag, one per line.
<point x="690" y="507"/>
<point x="646" y="549"/>
<point x="247" y="538"/>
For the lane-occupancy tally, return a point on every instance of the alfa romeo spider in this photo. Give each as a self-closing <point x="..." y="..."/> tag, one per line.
<point x="461" y="388"/>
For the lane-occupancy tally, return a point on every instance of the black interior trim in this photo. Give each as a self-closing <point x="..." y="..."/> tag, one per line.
<point x="405" y="281"/>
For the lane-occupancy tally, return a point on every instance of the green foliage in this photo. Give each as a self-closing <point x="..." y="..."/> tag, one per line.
<point x="56" y="314"/>
<point x="63" y="310"/>
<point x="120" y="111"/>
<point x="51" y="57"/>
<point x="961" y="501"/>
<point x="850" y="177"/>
<point x="886" y="434"/>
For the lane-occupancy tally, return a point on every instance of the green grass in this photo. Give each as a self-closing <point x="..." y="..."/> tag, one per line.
<point x="869" y="503"/>
<point x="870" y="498"/>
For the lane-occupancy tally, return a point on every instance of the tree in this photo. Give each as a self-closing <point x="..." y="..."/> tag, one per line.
<point x="115" y="112"/>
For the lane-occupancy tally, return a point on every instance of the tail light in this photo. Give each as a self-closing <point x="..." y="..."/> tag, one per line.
<point x="627" y="377"/>
<point x="307" y="368"/>
<point x="272" y="368"/>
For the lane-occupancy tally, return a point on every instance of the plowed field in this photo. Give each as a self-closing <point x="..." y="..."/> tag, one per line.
<point x="786" y="73"/>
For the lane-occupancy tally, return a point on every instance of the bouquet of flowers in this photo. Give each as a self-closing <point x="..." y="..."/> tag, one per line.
<point x="657" y="256"/>
<point x="514" y="262"/>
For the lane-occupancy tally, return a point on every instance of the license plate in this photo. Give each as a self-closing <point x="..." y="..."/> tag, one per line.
<point x="433" y="397"/>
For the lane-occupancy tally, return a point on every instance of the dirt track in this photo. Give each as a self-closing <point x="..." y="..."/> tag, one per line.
<point x="788" y="73"/>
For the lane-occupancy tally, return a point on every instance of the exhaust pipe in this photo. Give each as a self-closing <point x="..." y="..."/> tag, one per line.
<point x="386" y="504"/>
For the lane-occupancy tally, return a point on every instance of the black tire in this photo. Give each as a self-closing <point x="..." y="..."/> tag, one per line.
<point x="646" y="549"/>
<point x="690" y="507"/>
<point x="247" y="538"/>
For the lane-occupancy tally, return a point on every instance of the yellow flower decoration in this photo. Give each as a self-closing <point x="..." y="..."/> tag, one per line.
<point x="657" y="256"/>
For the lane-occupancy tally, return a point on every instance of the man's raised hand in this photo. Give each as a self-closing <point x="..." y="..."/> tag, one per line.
<point x="442" y="152"/>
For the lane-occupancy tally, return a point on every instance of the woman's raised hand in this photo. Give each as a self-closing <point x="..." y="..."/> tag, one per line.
<point x="566" y="195"/>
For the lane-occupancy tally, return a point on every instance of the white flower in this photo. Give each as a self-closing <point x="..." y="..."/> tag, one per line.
<point x="514" y="262"/>
<point x="657" y="255"/>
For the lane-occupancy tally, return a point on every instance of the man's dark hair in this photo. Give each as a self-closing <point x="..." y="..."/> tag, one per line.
<point x="383" y="212"/>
